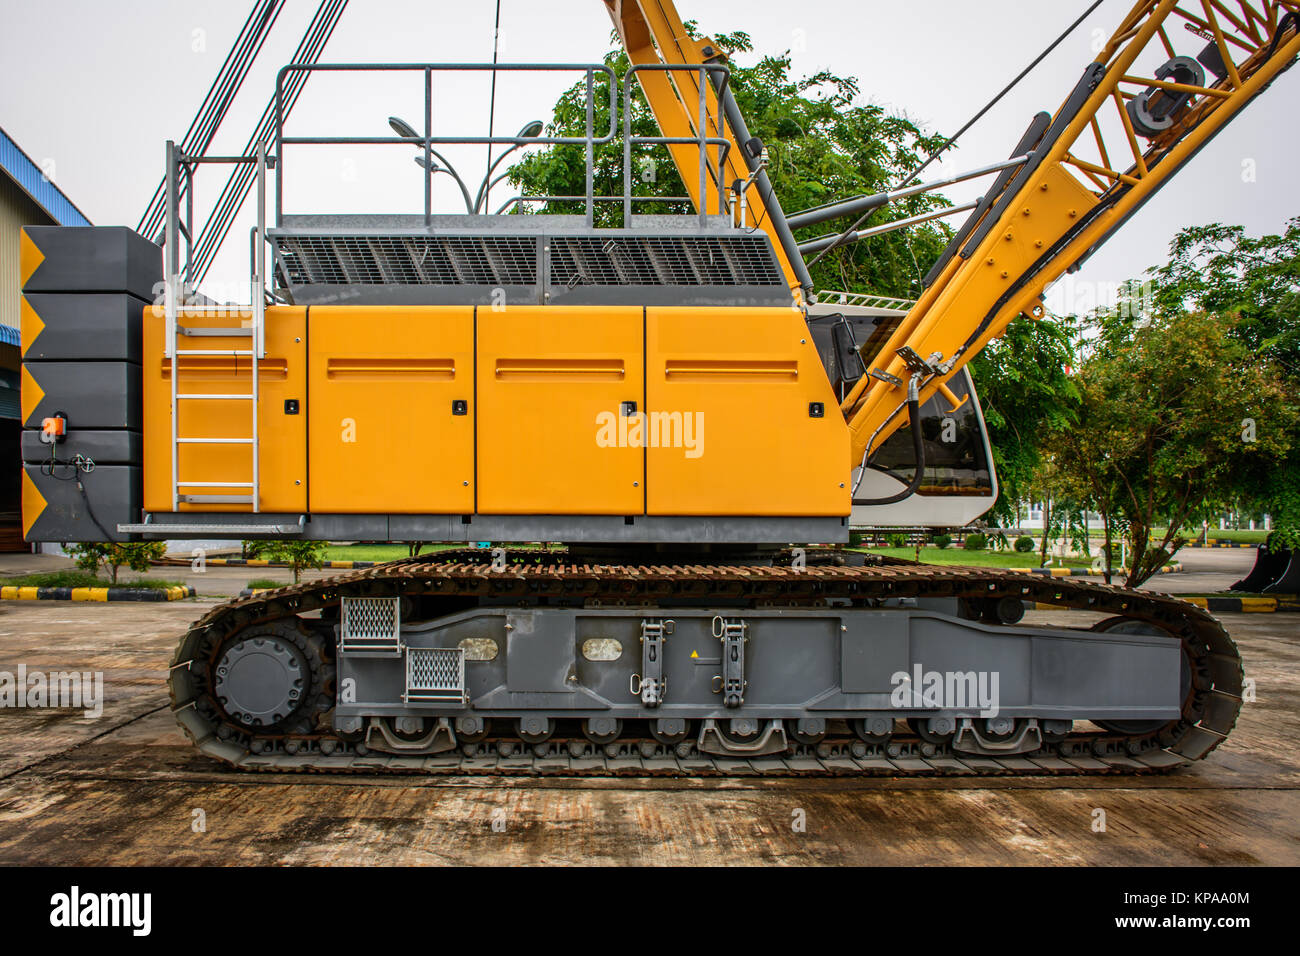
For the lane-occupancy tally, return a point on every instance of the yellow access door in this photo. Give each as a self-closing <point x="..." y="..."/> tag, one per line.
<point x="282" y="430"/>
<point x="392" y="406"/>
<point x="741" y="418"/>
<point x="554" y="385"/>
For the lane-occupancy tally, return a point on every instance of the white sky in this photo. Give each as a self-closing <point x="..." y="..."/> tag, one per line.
<point x="91" y="91"/>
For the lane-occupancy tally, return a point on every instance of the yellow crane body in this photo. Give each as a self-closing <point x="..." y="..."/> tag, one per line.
<point x="657" y="426"/>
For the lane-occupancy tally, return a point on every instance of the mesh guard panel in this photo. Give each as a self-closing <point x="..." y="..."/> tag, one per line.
<point x="370" y="624"/>
<point x="435" y="675"/>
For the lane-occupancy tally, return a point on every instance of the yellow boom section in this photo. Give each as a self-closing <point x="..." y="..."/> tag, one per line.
<point x="1088" y="173"/>
<point x="652" y="32"/>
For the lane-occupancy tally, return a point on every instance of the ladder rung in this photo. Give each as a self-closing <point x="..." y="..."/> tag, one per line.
<point x="236" y="352"/>
<point x="214" y="484"/>
<point x="215" y="396"/>
<point x="214" y="441"/>
<point x="193" y="332"/>
<point x="215" y="499"/>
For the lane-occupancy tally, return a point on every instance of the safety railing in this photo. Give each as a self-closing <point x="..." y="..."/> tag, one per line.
<point x="525" y="200"/>
<point x="428" y="140"/>
<point x="701" y="140"/>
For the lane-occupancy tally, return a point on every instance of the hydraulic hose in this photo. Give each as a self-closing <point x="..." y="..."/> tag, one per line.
<point x="918" y="450"/>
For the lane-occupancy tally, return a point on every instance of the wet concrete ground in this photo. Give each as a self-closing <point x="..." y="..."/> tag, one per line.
<point x="126" y="788"/>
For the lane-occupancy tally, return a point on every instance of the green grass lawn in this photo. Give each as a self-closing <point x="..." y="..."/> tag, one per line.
<point x="975" y="559"/>
<point x="84" y="579"/>
<point x="372" y="552"/>
<point x="1239" y="537"/>
<point x="384" y="552"/>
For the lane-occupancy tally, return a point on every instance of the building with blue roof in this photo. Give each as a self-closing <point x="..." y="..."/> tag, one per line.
<point x="27" y="198"/>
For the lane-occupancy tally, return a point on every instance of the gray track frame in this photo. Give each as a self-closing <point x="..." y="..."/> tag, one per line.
<point x="829" y="663"/>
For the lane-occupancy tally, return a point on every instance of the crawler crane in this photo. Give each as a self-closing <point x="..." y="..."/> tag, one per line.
<point x="686" y="626"/>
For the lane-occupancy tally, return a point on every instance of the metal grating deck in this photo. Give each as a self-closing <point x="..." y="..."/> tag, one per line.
<point x="408" y="260"/>
<point x="664" y="261"/>
<point x="727" y="261"/>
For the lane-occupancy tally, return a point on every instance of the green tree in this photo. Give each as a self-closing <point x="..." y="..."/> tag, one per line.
<point x="822" y="146"/>
<point x="1218" y="268"/>
<point x="298" y="555"/>
<point x="95" y="556"/>
<point x="1026" y="392"/>
<point x="1160" y="437"/>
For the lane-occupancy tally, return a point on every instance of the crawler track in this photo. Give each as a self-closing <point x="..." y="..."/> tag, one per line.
<point x="1209" y="711"/>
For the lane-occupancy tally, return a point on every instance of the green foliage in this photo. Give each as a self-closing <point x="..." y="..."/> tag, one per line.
<point x="263" y="584"/>
<point x="56" y="579"/>
<point x="1256" y="280"/>
<point x="1026" y="392"/>
<point x="941" y="540"/>
<point x="1217" y="268"/>
<point x="897" y="540"/>
<point x="822" y="146"/>
<point x="298" y="555"/>
<point x="1024" y="544"/>
<point x="83" y="579"/>
<point x="1283" y="539"/>
<point x="1160" y="434"/>
<point x="110" y="556"/>
<point x="975" y="541"/>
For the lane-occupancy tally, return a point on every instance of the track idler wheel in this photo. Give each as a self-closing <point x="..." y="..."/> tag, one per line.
<point x="739" y="731"/>
<point x="873" y="730"/>
<point x="933" y="730"/>
<point x="472" y="730"/>
<point x="807" y="730"/>
<point x="670" y="731"/>
<point x="602" y="730"/>
<point x="535" y="730"/>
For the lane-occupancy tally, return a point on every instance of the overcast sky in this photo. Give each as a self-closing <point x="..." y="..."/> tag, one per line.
<point x="92" y="90"/>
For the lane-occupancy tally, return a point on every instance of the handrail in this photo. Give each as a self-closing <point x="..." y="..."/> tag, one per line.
<point x="428" y="140"/>
<point x="701" y="140"/>
<point x="521" y="199"/>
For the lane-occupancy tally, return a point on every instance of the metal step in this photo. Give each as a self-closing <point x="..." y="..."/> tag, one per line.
<point x="196" y="332"/>
<point x="234" y="352"/>
<point x="214" y="530"/>
<point x="215" y="499"/>
<point x="214" y="396"/>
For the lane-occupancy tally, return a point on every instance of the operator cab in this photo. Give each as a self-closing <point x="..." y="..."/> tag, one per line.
<point x="959" y="483"/>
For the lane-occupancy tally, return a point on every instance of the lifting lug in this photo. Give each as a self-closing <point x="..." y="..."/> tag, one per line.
<point x="650" y="684"/>
<point x="732" y="679"/>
